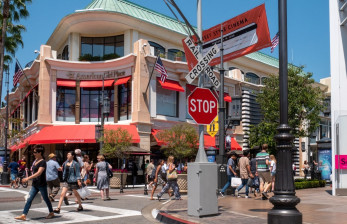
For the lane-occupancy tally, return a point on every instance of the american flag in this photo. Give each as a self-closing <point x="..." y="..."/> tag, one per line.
<point x="160" y="68"/>
<point x="275" y="41"/>
<point x="18" y="72"/>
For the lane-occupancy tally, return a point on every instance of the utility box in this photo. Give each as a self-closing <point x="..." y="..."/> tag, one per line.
<point x="202" y="189"/>
<point x="236" y="109"/>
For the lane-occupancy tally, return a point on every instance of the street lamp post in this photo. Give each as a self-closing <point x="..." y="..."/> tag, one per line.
<point x="105" y="111"/>
<point x="284" y="199"/>
<point x="5" y="177"/>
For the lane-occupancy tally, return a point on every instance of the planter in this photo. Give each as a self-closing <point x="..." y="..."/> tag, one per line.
<point x="182" y="181"/>
<point x="116" y="181"/>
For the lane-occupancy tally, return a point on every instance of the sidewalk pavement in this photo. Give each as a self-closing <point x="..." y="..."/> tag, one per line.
<point x="317" y="205"/>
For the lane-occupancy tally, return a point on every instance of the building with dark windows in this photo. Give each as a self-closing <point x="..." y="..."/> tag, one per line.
<point x="114" y="43"/>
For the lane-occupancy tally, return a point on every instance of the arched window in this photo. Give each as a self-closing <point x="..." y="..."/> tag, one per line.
<point x="176" y="55"/>
<point x="156" y="49"/>
<point x="235" y="68"/>
<point x="65" y="54"/>
<point x="252" y="78"/>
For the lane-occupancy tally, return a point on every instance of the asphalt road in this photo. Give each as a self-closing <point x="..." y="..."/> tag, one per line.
<point x="123" y="208"/>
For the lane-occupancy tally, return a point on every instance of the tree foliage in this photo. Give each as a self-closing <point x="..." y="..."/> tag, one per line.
<point x="305" y="102"/>
<point x="116" y="143"/>
<point x="181" y="141"/>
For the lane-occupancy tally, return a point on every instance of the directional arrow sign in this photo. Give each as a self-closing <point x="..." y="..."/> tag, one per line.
<point x="202" y="64"/>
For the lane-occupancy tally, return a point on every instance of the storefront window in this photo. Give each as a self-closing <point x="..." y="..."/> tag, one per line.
<point x="102" y="48"/>
<point x="66" y="100"/>
<point x="124" y="101"/>
<point x="167" y="102"/>
<point x="90" y="104"/>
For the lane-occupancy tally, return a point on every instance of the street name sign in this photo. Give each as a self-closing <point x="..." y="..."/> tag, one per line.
<point x="202" y="64"/>
<point x="212" y="129"/>
<point x="202" y="106"/>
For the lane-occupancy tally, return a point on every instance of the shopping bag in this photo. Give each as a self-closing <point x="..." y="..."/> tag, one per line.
<point x="172" y="175"/>
<point x="250" y="182"/>
<point x="235" y="181"/>
<point x="84" y="192"/>
<point x="37" y="199"/>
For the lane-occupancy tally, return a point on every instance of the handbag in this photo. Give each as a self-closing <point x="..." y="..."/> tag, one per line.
<point x="172" y="175"/>
<point x="109" y="172"/>
<point x="235" y="181"/>
<point x="250" y="182"/>
<point x="37" y="199"/>
<point x="84" y="192"/>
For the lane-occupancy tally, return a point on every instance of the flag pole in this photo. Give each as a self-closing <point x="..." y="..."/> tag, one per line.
<point x="31" y="87"/>
<point x="150" y="78"/>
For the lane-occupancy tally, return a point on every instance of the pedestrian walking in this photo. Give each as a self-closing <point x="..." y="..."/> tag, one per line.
<point x="87" y="166"/>
<point x="52" y="178"/>
<point x="149" y="173"/>
<point x="264" y="171"/>
<point x="171" y="176"/>
<point x="156" y="174"/>
<point x="22" y="166"/>
<point x="273" y="171"/>
<point x="231" y="172"/>
<point x="72" y="180"/>
<point x="245" y="173"/>
<point x="78" y="153"/>
<point x="13" y="168"/>
<point x="253" y="165"/>
<point x="306" y="168"/>
<point x="39" y="183"/>
<point x="103" y="181"/>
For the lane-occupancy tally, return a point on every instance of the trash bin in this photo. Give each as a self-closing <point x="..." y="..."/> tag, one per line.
<point x="211" y="154"/>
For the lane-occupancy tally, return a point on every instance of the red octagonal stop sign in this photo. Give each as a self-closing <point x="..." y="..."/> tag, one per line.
<point x="202" y="106"/>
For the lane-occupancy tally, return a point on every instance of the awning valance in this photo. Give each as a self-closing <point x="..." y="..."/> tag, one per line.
<point x="123" y="80"/>
<point x="22" y="144"/>
<point x="171" y="85"/>
<point x="65" y="134"/>
<point x="96" y="83"/>
<point x="66" y="83"/>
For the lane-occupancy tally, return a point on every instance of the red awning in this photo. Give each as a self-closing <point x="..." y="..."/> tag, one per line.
<point x="96" y="84"/>
<point x="209" y="141"/>
<point x="234" y="145"/>
<point x="123" y="80"/>
<point x="65" y="134"/>
<point x="22" y="144"/>
<point x="154" y="133"/>
<point x="227" y="98"/>
<point x="171" y="85"/>
<point x="66" y="83"/>
<point x="130" y="128"/>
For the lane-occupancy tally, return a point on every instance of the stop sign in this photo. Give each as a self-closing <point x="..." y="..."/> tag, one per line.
<point x="202" y="106"/>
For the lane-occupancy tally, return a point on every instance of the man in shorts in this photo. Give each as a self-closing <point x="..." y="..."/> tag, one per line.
<point x="264" y="171"/>
<point x="13" y="168"/>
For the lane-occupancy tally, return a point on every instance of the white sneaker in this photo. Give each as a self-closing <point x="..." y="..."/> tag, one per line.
<point x="236" y="193"/>
<point x="246" y="196"/>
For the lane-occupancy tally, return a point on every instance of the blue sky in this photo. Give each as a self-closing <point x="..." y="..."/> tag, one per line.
<point x="308" y="26"/>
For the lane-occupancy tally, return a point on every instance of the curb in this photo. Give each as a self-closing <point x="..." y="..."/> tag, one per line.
<point x="168" y="219"/>
<point x="5" y="186"/>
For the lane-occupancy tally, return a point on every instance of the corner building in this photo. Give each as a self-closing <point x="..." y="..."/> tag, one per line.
<point x="119" y="40"/>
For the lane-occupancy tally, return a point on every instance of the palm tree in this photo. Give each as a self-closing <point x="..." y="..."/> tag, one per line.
<point x="12" y="11"/>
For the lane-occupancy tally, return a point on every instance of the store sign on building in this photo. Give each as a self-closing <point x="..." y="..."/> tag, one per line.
<point x="243" y="34"/>
<point x="341" y="162"/>
<point x="76" y="75"/>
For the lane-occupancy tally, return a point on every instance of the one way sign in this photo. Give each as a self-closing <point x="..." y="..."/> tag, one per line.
<point x="202" y="65"/>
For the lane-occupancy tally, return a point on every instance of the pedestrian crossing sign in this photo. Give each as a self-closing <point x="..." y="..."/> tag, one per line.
<point x="212" y="129"/>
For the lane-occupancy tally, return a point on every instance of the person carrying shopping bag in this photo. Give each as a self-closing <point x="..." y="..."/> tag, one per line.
<point x="39" y="183"/>
<point x="171" y="177"/>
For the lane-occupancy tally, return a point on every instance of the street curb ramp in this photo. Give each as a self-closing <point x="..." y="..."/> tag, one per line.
<point x="164" y="217"/>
